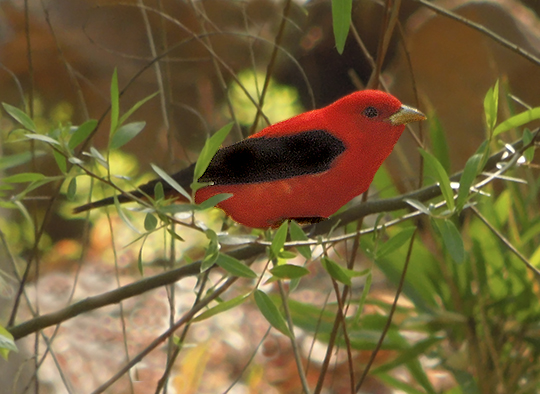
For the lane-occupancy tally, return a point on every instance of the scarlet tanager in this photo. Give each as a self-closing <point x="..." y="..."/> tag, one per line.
<point x="304" y="168"/>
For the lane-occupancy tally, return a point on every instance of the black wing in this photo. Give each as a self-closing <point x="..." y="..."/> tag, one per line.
<point x="263" y="159"/>
<point x="252" y="160"/>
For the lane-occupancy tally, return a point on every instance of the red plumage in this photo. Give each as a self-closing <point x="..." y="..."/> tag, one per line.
<point x="301" y="173"/>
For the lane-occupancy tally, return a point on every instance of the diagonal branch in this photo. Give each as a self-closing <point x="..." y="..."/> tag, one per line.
<point x="166" y="278"/>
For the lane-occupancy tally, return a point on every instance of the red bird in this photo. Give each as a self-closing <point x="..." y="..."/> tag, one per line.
<point x="304" y="168"/>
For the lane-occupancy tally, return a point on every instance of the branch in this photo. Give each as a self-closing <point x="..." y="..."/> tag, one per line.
<point x="354" y="213"/>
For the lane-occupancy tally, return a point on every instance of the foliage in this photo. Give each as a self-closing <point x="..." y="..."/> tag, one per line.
<point x="469" y="306"/>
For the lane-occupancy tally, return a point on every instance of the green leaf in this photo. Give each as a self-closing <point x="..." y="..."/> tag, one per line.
<point x="407" y="355"/>
<point x="60" y="161"/>
<point x="7" y="343"/>
<point x="363" y="297"/>
<point x="395" y="242"/>
<point x="136" y="107"/>
<point x="441" y="176"/>
<point x="341" y="20"/>
<point x="72" y="189"/>
<point x="123" y="215"/>
<point x="471" y="171"/>
<point x="10" y="161"/>
<point x="279" y="238"/>
<point x="115" y="102"/>
<point x="399" y="384"/>
<point x="491" y="106"/>
<point x="175" y="235"/>
<point x="24" y="177"/>
<point x="517" y="121"/>
<point x="418" y="205"/>
<point x="336" y="271"/>
<point x="210" y="148"/>
<point x="451" y="238"/>
<point x="242" y="239"/>
<point x="82" y="132"/>
<point x="175" y="185"/>
<point x="42" y="138"/>
<point x="527" y="138"/>
<point x="235" y="267"/>
<point x="289" y="271"/>
<point x="214" y="200"/>
<point x="297" y="234"/>
<point x="150" y="222"/>
<point x="438" y="142"/>
<point x="159" y="193"/>
<point x="222" y="307"/>
<point x="286" y="255"/>
<point x="212" y="251"/>
<point x="140" y="266"/>
<point x="20" y="117"/>
<point x="125" y="133"/>
<point x="271" y="312"/>
<point x="99" y="157"/>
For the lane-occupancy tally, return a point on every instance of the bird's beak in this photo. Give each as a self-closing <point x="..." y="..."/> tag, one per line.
<point x="405" y="115"/>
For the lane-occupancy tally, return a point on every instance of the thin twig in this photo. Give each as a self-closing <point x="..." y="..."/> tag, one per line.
<point x="482" y="29"/>
<point x="390" y="314"/>
<point x="294" y="344"/>
<point x="505" y="241"/>
<point x="187" y="317"/>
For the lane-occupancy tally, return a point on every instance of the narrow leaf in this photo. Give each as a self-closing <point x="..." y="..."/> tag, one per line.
<point x="271" y="312"/>
<point x="438" y="142"/>
<point x="61" y="161"/>
<point x="517" y="121"/>
<point x="452" y="239"/>
<point x="7" y="343"/>
<point x="72" y="189"/>
<point x="336" y="271"/>
<point x="42" y="138"/>
<point x="123" y="215"/>
<point x="175" y="235"/>
<point x="167" y="178"/>
<point x="235" y="267"/>
<point x="341" y="20"/>
<point x="150" y="222"/>
<point x="442" y="177"/>
<point x="210" y="148"/>
<point x="82" y="132"/>
<point x="212" y="251"/>
<point x="222" y="307"/>
<point x="289" y="271"/>
<point x="99" y="157"/>
<point x="115" y="102"/>
<point x="418" y="205"/>
<point x="297" y="234"/>
<point x="214" y="200"/>
<point x="10" y="161"/>
<point x="159" y="193"/>
<point x="279" y="238"/>
<point x="24" y="177"/>
<point x="243" y="239"/>
<point x="395" y="242"/>
<point x="20" y="117"/>
<point x="136" y="107"/>
<point x="140" y="257"/>
<point x="125" y="134"/>
<point x="491" y="105"/>
<point x="472" y="168"/>
<point x="527" y="138"/>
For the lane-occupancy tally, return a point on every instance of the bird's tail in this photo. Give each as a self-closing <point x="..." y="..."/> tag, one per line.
<point x="183" y="178"/>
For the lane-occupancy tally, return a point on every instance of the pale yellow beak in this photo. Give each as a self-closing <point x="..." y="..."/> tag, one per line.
<point x="405" y="115"/>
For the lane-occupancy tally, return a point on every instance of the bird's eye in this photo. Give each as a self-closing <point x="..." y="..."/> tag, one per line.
<point x="371" y="112"/>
